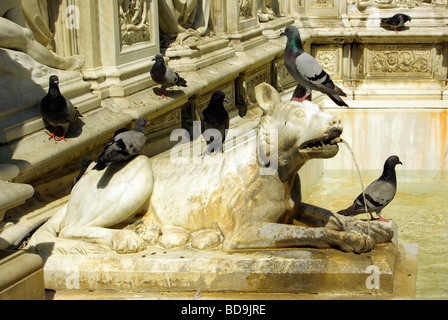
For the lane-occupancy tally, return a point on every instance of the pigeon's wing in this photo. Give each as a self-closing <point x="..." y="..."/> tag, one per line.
<point x="134" y="142"/>
<point x="72" y="112"/>
<point x="394" y="20"/>
<point x="380" y="193"/>
<point x="171" y="77"/>
<point x="310" y="70"/>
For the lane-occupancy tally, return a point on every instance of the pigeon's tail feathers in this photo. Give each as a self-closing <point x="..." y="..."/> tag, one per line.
<point x="181" y="82"/>
<point x="338" y="100"/>
<point x="350" y="211"/>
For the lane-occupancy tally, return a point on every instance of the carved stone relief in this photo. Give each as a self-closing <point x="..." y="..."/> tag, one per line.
<point x="393" y="60"/>
<point x="329" y="59"/>
<point x="134" y="21"/>
<point x="385" y="4"/>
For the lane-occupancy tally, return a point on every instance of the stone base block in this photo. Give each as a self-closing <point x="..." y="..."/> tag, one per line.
<point x="306" y="271"/>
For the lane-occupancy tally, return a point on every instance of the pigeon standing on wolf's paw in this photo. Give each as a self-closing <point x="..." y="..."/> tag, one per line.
<point x="215" y="116"/>
<point x="165" y="76"/>
<point x="124" y="145"/>
<point x="306" y="70"/>
<point x="57" y="111"/>
<point x="378" y="194"/>
<point x="396" y="21"/>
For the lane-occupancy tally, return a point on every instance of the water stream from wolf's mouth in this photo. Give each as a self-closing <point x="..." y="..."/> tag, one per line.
<point x="359" y="173"/>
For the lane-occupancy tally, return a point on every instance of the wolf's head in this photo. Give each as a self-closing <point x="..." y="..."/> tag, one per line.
<point x="303" y="130"/>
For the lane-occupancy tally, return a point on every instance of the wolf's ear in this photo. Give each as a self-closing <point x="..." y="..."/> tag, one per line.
<point x="267" y="97"/>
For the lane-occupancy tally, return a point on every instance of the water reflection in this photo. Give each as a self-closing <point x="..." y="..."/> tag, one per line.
<point x="420" y="208"/>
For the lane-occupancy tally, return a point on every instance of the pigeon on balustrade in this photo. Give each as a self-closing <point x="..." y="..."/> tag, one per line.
<point x="215" y="116"/>
<point x="124" y="145"/>
<point x="396" y="21"/>
<point x="165" y="76"/>
<point x="57" y="111"/>
<point x="378" y="194"/>
<point x="306" y="70"/>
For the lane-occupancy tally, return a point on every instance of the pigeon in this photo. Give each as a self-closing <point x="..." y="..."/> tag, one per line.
<point x="84" y="165"/>
<point x="215" y="116"/>
<point x="306" y="70"/>
<point x="57" y="111"/>
<point x="378" y="194"/>
<point x="396" y="21"/>
<point x="165" y="76"/>
<point x="124" y="145"/>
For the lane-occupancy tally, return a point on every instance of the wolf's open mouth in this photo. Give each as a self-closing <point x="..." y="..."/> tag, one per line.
<point x="318" y="145"/>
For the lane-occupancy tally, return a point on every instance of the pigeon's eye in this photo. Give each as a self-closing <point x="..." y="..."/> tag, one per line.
<point x="287" y="29"/>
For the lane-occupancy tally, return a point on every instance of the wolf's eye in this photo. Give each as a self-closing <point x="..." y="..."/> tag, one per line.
<point x="299" y="113"/>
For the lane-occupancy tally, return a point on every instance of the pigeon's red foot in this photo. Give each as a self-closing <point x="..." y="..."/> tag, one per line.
<point x="55" y="137"/>
<point x="163" y="91"/>
<point x="382" y="219"/>
<point x="295" y="99"/>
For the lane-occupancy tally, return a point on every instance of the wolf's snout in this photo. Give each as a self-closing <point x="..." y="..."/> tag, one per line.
<point x="335" y="122"/>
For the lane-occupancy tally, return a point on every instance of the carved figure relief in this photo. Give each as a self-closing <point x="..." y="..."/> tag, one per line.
<point x="134" y="21"/>
<point x="246" y="9"/>
<point x="184" y="22"/>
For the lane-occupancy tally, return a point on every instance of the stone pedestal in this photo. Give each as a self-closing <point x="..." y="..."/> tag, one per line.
<point x="21" y="276"/>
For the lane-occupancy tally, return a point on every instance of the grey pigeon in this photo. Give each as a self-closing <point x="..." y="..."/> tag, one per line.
<point x="378" y="194"/>
<point x="306" y="70"/>
<point x="84" y="165"/>
<point x="396" y="21"/>
<point x="215" y="116"/>
<point x="124" y="145"/>
<point x="165" y="76"/>
<point x="57" y="111"/>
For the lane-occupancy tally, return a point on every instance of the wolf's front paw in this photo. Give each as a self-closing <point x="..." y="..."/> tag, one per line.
<point x="380" y="231"/>
<point x="353" y="241"/>
<point x="127" y="241"/>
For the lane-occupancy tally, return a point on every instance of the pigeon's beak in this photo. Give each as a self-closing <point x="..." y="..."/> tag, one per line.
<point x="399" y="162"/>
<point x="226" y="101"/>
<point x="282" y="34"/>
<point x="150" y="123"/>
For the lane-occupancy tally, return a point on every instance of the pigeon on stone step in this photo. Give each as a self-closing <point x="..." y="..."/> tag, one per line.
<point x="306" y="70"/>
<point x="215" y="116"/>
<point x="378" y="194"/>
<point x="57" y="111"/>
<point x="396" y="21"/>
<point x="165" y="76"/>
<point x="124" y="145"/>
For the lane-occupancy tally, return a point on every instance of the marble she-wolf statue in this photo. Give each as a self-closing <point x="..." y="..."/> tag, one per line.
<point x="246" y="197"/>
